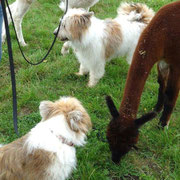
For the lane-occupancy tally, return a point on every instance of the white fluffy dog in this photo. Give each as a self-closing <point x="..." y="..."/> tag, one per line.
<point x="20" y="7"/>
<point x="47" y="152"/>
<point x="85" y="4"/>
<point x="96" y="41"/>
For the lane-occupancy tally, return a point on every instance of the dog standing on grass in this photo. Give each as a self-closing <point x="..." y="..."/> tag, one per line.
<point x="20" y="7"/>
<point x="96" y="41"/>
<point x="47" y="152"/>
<point x="85" y="4"/>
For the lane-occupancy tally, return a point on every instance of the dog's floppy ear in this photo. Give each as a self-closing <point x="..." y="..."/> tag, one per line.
<point x="45" y="108"/>
<point x="79" y="24"/>
<point x="75" y="117"/>
<point x="85" y="19"/>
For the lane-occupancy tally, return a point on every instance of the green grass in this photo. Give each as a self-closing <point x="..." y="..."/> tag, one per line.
<point x="159" y="151"/>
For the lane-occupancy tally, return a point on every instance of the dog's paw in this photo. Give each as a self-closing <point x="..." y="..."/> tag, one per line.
<point x="91" y="84"/>
<point x="64" y="51"/>
<point x="78" y="74"/>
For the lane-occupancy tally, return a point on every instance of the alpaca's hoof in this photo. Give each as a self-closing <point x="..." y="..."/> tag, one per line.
<point x="3" y="40"/>
<point x="23" y="44"/>
<point x="162" y="125"/>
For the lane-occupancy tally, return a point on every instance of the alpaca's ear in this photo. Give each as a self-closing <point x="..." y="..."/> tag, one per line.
<point x="45" y="107"/>
<point x="74" y="118"/>
<point x="112" y="108"/>
<point x="145" y="118"/>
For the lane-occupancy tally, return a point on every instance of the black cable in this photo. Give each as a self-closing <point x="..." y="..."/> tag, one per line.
<point x="13" y="79"/>
<point x="51" y="44"/>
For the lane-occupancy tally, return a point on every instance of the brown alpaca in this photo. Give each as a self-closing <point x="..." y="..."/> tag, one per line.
<point x="159" y="42"/>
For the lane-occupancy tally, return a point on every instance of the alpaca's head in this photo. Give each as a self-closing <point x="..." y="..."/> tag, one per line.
<point x="122" y="133"/>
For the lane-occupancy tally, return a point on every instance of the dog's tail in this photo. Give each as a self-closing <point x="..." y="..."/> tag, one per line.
<point x="136" y="12"/>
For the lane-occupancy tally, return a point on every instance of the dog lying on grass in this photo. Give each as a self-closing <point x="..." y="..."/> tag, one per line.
<point x="96" y="41"/>
<point x="47" y="152"/>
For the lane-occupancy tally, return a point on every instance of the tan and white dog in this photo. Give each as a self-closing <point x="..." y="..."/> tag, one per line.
<point x="96" y="41"/>
<point x="85" y="4"/>
<point x="20" y="7"/>
<point x="47" y="152"/>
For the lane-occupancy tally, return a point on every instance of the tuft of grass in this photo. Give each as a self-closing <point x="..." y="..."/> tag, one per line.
<point x="159" y="154"/>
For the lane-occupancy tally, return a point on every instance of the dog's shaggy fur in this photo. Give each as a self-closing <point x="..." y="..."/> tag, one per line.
<point x="20" y="7"/>
<point x="96" y="41"/>
<point x="85" y="4"/>
<point x="47" y="152"/>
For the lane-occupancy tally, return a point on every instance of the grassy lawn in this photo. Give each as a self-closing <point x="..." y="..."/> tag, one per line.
<point x="158" y="156"/>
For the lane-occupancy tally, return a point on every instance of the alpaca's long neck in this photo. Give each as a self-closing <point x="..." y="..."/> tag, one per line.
<point x="143" y="61"/>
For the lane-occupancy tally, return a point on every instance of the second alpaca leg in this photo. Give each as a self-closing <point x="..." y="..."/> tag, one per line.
<point x="171" y="93"/>
<point x="18" y="26"/>
<point x="12" y="8"/>
<point x="163" y="73"/>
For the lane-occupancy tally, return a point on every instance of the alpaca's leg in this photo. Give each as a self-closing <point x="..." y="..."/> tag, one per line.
<point x="18" y="26"/>
<point x="171" y="93"/>
<point x="82" y="70"/>
<point x="21" y="9"/>
<point x="163" y="73"/>
<point x="96" y="74"/>
<point x="65" y="48"/>
<point x="12" y="8"/>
